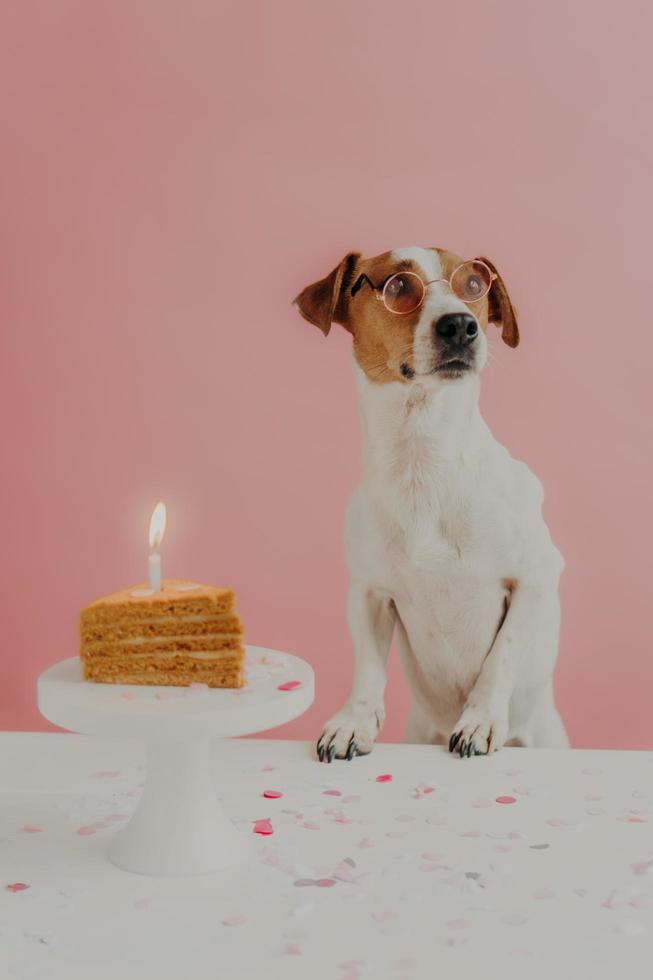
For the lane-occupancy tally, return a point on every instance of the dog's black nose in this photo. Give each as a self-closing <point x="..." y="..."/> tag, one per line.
<point x="456" y="328"/>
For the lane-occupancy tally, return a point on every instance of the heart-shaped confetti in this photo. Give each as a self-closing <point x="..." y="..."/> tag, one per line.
<point x="289" y="686"/>
<point x="325" y="882"/>
<point x="331" y="792"/>
<point x="16" y="886"/>
<point x="272" y="794"/>
<point x="29" y="829"/>
<point x="263" y="827"/>
<point x="506" y="799"/>
<point x="384" y="778"/>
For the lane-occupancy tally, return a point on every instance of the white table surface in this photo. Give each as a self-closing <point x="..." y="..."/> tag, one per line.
<point x="415" y="884"/>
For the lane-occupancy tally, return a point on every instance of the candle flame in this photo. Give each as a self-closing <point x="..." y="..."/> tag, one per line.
<point x="157" y="525"/>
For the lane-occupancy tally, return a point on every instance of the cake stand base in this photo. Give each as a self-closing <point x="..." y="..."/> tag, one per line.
<point x="179" y="827"/>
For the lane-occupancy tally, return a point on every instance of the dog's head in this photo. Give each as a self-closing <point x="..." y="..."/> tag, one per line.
<point x="412" y="312"/>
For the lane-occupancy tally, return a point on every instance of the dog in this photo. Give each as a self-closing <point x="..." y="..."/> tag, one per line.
<point x="446" y="544"/>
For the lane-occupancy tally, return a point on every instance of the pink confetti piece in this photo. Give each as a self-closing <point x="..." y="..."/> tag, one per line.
<point x="105" y="774"/>
<point x="87" y="830"/>
<point x="325" y="882"/>
<point x="289" y="686"/>
<point x="544" y="893"/>
<point x="199" y="690"/>
<point x="263" y="827"/>
<point x="272" y="794"/>
<point x="235" y="920"/>
<point x="17" y="886"/>
<point x="633" y="818"/>
<point x="128" y="695"/>
<point x="458" y="924"/>
<point x="613" y="901"/>
<point x="385" y="915"/>
<point x="642" y="867"/>
<point x="291" y="949"/>
<point x="365" y="843"/>
<point x="29" y="829"/>
<point x="331" y="792"/>
<point x="641" y="902"/>
<point x="384" y="778"/>
<point x="506" y="799"/>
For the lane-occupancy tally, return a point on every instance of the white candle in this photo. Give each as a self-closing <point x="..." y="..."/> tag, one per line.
<point x="157" y="530"/>
<point x="154" y="570"/>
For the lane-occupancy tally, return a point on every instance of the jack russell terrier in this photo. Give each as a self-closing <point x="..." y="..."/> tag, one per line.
<point x="446" y="543"/>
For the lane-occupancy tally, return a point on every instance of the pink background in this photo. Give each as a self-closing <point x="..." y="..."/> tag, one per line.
<point x="173" y="173"/>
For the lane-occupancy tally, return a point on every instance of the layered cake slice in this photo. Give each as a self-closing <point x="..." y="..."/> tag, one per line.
<point x="183" y="634"/>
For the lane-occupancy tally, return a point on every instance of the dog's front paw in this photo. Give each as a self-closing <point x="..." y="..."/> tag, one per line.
<point x="481" y="729"/>
<point x="350" y="732"/>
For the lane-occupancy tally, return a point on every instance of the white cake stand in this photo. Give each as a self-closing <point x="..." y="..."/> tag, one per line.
<point x="179" y="827"/>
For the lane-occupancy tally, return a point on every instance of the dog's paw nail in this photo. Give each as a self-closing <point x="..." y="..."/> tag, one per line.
<point x="320" y="751"/>
<point x="331" y="753"/>
<point x="351" y="749"/>
<point x="453" y="741"/>
<point x="461" y="747"/>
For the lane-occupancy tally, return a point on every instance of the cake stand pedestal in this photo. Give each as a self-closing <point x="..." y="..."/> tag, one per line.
<point x="179" y="827"/>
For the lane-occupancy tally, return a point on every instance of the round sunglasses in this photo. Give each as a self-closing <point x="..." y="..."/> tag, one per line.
<point x="404" y="292"/>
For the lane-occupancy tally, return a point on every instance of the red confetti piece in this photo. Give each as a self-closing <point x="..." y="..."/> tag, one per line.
<point x="325" y="882"/>
<point x="272" y="794"/>
<point x="263" y="827"/>
<point x="27" y="829"/>
<point x="384" y="778"/>
<point x="331" y="792"/>
<point x="16" y="886"/>
<point x="289" y="686"/>
<point x="506" y="799"/>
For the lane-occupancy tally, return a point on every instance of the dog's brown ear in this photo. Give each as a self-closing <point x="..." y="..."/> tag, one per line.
<point x="501" y="311"/>
<point x="325" y="302"/>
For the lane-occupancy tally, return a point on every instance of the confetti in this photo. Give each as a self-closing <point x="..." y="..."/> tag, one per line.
<point x="331" y="792"/>
<point x="263" y="827"/>
<point x="506" y="799"/>
<point x="272" y="794"/>
<point x="235" y="920"/>
<point x="642" y="867"/>
<point x="325" y="882"/>
<point x="29" y="829"/>
<point x="384" y="778"/>
<point x="87" y="830"/>
<point x="289" y="686"/>
<point x="17" y="886"/>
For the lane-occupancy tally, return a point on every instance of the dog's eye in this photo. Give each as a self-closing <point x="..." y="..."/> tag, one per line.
<point x="403" y="292"/>
<point x="471" y="281"/>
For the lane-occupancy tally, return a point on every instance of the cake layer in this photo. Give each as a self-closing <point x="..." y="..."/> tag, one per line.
<point x="216" y="641"/>
<point x="177" y="671"/>
<point x="174" y="599"/>
<point x="161" y="626"/>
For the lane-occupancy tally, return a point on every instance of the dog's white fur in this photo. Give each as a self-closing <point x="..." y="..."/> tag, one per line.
<point x="447" y="547"/>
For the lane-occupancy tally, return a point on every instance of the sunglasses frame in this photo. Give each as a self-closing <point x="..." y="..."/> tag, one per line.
<point x="380" y="289"/>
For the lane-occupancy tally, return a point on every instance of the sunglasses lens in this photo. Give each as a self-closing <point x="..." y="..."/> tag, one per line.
<point x="471" y="281"/>
<point x="403" y="292"/>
